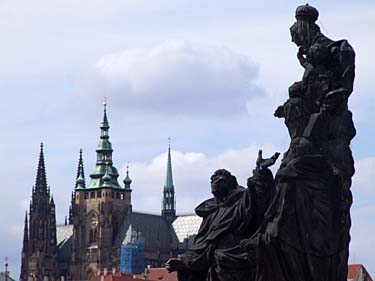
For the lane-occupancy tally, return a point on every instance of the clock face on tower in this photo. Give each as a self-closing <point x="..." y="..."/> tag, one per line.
<point x="94" y="222"/>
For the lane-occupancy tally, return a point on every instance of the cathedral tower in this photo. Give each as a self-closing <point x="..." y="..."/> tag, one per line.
<point x="169" y="202"/>
<point x="39" y="242"/>
<point x="98" y="211"/>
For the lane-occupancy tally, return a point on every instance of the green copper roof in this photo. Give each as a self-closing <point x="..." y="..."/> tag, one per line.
<point x="127" y="181"/>
<point x="106" y="179"/>
<point x="104" y="165"/>
<point x="169" y="202"/>
<point x="169" y="178"/>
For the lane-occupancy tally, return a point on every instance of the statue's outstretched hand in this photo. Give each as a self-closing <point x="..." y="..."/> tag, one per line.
<point x="265" y="163"/>
<point x="174" y="264"/>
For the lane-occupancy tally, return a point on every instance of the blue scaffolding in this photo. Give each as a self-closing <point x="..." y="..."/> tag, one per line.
<point x="132" y="257"/>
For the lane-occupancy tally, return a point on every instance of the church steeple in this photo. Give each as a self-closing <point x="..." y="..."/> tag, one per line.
<point x="80" y="179"/>
<point x="104" y="158"/>
<point x="104" y="149"/>
<point x="41" y="230"/>
<point x="41" y="178"/>
<point x="25" y="251"/>
<point x="25" y="233"/>
<point x="169" y="177"/>
<point x="169" y="208"/>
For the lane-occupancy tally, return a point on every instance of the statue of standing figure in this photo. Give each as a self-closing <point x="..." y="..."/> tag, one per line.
<point x="299" y="231"/>
<point x="305" y="235"/>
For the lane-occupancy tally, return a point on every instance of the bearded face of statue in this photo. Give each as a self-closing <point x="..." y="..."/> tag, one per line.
<point x="220" y="186"/>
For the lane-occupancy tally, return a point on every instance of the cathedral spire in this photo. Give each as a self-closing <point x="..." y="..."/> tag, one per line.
<point x="104" y="126"/>
<point x="25" y="251"/>
<point x="169" y="210"/>
<point x="26" y="235"/>
<point x="169" y="177"/>
<point x="104" y="158"/>
<point x="40" y="229"/>
<point x="41" y="178"/>
<point x="80" y="180"/>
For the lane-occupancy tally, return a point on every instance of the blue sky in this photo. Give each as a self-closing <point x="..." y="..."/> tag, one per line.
<point x="209" y="74"/>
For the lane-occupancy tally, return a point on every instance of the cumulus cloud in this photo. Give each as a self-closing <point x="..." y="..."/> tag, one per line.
<point x="191" y="171"/>
<point x="177" y="77"/>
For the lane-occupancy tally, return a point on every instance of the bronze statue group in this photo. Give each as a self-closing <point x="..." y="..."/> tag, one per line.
<point x="293" y="226"/>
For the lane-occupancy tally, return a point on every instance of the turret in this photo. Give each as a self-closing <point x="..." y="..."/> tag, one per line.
<point x="127" y="181"/>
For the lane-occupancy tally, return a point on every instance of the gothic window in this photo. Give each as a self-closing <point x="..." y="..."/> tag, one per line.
<point x="92" y="194"/>
<point x="86" y="195"/>
<point x="99" y="194"/>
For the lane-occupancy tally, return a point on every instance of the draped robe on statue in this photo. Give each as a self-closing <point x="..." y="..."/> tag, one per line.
<point x="216" y="254"/>
<point x="301" y="238"/>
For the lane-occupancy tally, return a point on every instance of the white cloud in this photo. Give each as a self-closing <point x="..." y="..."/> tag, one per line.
<point x="191" y="173"/>
<point x="363" y="179"/>
<point x="176" y="77"/>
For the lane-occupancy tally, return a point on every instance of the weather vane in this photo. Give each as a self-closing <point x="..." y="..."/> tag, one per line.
<point x="105" y="101"/>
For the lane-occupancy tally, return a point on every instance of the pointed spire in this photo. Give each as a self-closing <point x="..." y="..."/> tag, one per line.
<point x="169" y="210"/>
<point x="41" y="179"/>
<point x="169" y="177"/>
<point x="127" y="180"/>
<point x="25" y="252"/>
<point x="104" y="158"/>
<point x="25" y="233"/>
<point x="52" y="202"/>
<point x="104" y="126"/>
<point x="80" y="180"/>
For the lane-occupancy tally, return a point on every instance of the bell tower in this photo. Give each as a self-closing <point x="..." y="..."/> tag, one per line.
<point x="98" y="211"/>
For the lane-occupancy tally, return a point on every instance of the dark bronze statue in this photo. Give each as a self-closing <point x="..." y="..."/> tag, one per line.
<point x="294" y="227"/>
<point x="305" y="235"/>
<point x="230" y="216"/>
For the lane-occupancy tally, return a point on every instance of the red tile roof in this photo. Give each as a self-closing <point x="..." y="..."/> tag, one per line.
<point x="160" y="274"/>
<point x="354" y="270"/>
